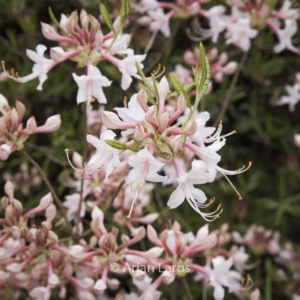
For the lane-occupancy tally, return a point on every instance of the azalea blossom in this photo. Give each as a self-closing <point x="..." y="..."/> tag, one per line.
<point x="90" y="85"/>
<point x="105" y="156"/>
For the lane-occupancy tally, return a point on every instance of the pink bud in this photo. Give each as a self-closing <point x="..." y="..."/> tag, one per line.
<point x="3" y="104"/>
<point x="100" y="286"/>
<point x="50" y="213"/>
<point x="223" y="58"/>
<point x="142" y="100"/>
<point x="84" y="19"/>
<point x="58" y="54"/>
<point x="31" y="125"/>
<point x="111" y="121"/>
<point x="45" y="201"/>
<point x="9" y="190"/>
<point x="154" y="252"/>
<point x="255" y="294"/>
<point x="20" y="107"/>
<point x="150" y="218"/>
<point x="144" y="20"/>
<point x="212" y="54"/>
<point x="72" y="21"/>
<point x="152" y="236"/>
<point x="99" y="38"/>
<point x="113" y="283"/>
<point x="230" y="68"/>
<point x="163" y="121"/>
<point x="139" y="133"/>
<point x="4" y="152"/>
<point x="188" y="57"/>
<point x="191" y="127"/>
<point x="49" y="32"/>
<point x="3" y="76"/>
<point x="14" y="117"/>
<point x="168" y="277"/>
<point x="297" y="76"/>
<point x="297" y="139"/>
<point x="177" y="143"/>
<point x="53" y="280"/>
<point x="52" y="124"/>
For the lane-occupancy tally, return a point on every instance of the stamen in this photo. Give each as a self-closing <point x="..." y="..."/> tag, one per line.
<point x="136" y="194"/>
<point x="76" y="169"/>
<point x="239" y="195"/>
<point x="125" y="101"/>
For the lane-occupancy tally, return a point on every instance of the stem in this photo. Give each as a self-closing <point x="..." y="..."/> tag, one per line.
<point x="230" y="89"/>
<point x="187" y="288"/>
<point x="56" y="199"/>
<point x="83" y="159"/>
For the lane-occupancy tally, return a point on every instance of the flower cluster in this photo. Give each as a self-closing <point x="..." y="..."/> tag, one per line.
<point x="243" y="25"/>
<point x="85" y="44"/>
<point x="12" y="133"/>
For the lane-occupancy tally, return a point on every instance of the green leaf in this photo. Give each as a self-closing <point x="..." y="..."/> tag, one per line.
<point x="187" y="88"/>
<point x="179" y="88"/>
<point x="106" y="17"/>
<point x="202" y="77"/>
<point x="54" y="20"/>
<point x="124" y="12"/>
<point x="121" y="146"/>
<point x="144" y="78"/>
<point x="117" y="145"/>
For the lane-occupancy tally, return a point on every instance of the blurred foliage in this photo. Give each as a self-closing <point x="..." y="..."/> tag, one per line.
<point x="270" y="189"/>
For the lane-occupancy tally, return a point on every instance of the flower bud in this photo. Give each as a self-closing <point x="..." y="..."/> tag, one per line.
<point x="45" y="202"/>
<point x="9" y="190"/>
<point x="230" y="68"/>
<point x="297" y="76"/>
<point x="50" y="213"/>
<point x="191" y="127"/>
<point x="49" y="32"/>
<point x="20" y="107"/>
<point x="142" y="100"/>
<point x="31" y="125"/>
<point x="113" y="283"/>
<point x="168" y="277"/>
<point x="4" y="152"/>
<point x="223" y="58"/>
<point x="139" y="133"/>
<point x="163" y="121"/>
<point x="52" y="124"/>
<point x="14" y="116"/>
<point x="99" y="38"/>
<point x="177" y="143"/>
<point x="4" y="201"/>
<point x="100" y="286"/>
<point x="212" y="54"/>
<point x="53" y="280"/>
<point x="188" y="57"/>
<point x="144" y="20"/>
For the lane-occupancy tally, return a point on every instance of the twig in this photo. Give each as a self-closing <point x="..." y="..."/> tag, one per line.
<point x="83" y="159"/>
<point x="230" y="89"/>
<point x="187" y="288"/>
<point x="111" y="200"/>
<point x="56" y="199"/>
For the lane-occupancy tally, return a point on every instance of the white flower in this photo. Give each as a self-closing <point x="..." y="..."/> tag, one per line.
<point x="285" y="36"/>
<point x="120" y="45"/>
<point x="145" y="167"/>
<point x="128" y="68"/>
<point x="240" y="33"/>
<point x="72" y="204"/>
<point x="40" y="68"/>
<point x="222" y="276"/>
<point x="185" y="188"/>
<point x="105" y="155"/>
<point x="160" y="21"/>
<point x="91" y="85"/>
<point x="293" y="96"/>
